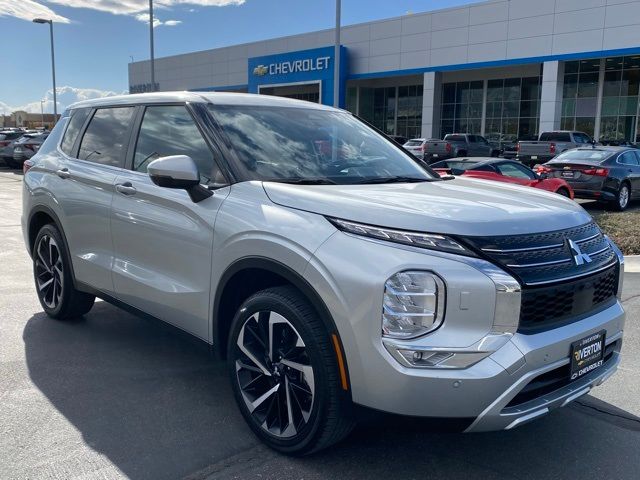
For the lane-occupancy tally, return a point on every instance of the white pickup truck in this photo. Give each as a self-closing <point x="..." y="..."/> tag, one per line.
<point x="550" y="144"/>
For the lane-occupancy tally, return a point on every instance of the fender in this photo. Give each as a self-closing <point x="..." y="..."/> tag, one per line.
<point x="293" y="277"/>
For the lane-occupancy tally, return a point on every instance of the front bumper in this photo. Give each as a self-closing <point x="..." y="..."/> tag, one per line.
<point x="486" y="391"/>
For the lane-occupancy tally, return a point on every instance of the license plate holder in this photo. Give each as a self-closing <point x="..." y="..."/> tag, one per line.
<point x="435" y="155"/>
<point x="567" y="174"/>
<point x="534" y="157"/>
<point x="587" y="354"/>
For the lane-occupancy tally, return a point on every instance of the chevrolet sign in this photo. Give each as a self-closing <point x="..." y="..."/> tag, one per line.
<point x="295" y="66"/>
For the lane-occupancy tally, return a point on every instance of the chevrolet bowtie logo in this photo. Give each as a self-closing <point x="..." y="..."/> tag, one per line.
<point x="579" y="258"/>
<point x="260" y="70"/>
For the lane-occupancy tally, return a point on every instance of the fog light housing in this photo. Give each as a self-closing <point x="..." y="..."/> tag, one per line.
<point x="413" y="304"/>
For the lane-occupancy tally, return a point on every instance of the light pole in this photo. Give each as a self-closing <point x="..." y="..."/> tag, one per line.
<point x="153" y="64"/>
<point x="53" y="66"/>
<point x="336" y="66"/>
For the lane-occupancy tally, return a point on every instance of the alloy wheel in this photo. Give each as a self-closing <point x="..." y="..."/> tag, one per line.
<point x="623" y="196"/>
<point x="274" y="373"/>
<point x="49" y="271"/>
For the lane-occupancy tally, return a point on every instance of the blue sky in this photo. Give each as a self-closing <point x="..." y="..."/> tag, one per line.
<point x="93" y="49"/>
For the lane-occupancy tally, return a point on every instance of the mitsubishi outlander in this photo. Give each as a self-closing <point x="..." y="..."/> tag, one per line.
<point x="328" y="266"/>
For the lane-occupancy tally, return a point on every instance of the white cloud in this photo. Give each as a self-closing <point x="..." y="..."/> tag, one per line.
<point x="144" y="17"/>
<point x="29" y="9"/>
<point x="66" y="96"/>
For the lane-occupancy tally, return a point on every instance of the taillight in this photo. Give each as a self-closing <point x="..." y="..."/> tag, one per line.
<point x="423" y="147"/>
<point x="30" y="146"/>
<point x="542" y="169"/>
<point x="447" y="147"/>
<point x="518" y="147"/>
<point x="598" y="172"/>
<point x="27" y="165"/>
<point x="552" y="148"/>
<point x="4" y="144"/>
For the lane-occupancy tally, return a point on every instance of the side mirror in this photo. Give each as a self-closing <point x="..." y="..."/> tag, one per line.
<point x="178" y="171"/>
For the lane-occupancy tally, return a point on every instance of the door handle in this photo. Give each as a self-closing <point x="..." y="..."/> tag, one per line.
<point x="126" y="188"/>
<point x="63" y="173"/>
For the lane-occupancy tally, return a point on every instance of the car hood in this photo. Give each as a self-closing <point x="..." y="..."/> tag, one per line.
<point x="461" y="206"/>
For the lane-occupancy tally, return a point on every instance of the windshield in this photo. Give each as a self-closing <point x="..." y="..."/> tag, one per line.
<point x="301" y="145"/>
<point x="413" y="143"/>
<point x="594" y="155"/>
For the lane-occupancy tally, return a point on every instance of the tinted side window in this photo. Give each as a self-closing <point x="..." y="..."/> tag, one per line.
<point x="76" y="122"/>
<point x="628" y="158"/>
<point x="555" y="137"/>
<point x="106" y="137"/>
<point x="515" y="171"/>
<point x="170" y="130"/>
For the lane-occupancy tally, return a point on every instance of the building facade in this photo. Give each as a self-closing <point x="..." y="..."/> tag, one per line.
<point x="24" y="119"/>
<point x="504" y="69"/>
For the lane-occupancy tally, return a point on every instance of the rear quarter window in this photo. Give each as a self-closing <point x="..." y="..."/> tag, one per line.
<point x="455" y="138"/>
<point x="78" y="117"/>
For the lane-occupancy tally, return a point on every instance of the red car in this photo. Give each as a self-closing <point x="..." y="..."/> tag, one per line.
<point x="502" y="170"/>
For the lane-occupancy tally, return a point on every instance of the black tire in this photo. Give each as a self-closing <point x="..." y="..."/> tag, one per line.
<point x="622" y="199"/>
<point x="564" y="192"/>
<point x="59" y="299"/>
<point x="329" y="417"/>
<point x="461" y="154"/>
<point x="11" y="163"/>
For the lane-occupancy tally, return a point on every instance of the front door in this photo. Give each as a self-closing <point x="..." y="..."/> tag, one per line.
<point x="163" y="240"/>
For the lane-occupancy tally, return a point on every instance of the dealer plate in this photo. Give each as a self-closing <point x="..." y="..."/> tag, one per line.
<point x="567" y="174"/>
<point x="587" y="354"/>
<point x="435" y="155"/>
<point x="534" y="157"/>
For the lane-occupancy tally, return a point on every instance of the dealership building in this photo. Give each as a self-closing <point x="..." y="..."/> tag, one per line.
<point x="505" y="69"/>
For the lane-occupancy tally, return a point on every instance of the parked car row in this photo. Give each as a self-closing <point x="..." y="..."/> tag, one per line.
<point x="570" y="163"/>
<point x="16" y="146"/>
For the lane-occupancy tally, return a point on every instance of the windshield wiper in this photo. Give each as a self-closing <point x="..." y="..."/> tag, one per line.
<point x="397" y="179"/>
<point x="303" y="181"/>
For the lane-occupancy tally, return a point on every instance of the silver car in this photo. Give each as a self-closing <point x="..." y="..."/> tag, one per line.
<point x="325" y="264"/>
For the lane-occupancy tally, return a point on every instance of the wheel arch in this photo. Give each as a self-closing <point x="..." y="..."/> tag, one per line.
<point x="261" y="272"/>
<point x="40" y="216"/>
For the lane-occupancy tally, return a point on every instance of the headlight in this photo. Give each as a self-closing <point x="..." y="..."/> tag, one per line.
<point x="413" y="304"/>
<point x="417" y="239"/>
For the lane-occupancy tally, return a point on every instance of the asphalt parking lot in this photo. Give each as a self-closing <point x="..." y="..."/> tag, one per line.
<point x="115" y="396"/>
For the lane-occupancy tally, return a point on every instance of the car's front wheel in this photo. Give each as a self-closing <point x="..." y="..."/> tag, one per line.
<point x="285" y="375"/>
<point x="54" y="283"/>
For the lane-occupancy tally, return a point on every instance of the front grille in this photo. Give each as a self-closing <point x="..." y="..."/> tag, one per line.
<point x="548" y="307"/>
<point x="557" y="289"/>
<point x="541" y="258"/>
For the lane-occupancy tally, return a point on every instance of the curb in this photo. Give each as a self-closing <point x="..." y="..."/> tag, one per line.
<point x="632" y="263"/>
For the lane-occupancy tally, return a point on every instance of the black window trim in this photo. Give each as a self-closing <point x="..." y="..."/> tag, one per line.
<point x="215" y="151"/>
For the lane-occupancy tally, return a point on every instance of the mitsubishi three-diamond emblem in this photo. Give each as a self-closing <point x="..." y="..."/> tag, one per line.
<point x="579" y="257"/>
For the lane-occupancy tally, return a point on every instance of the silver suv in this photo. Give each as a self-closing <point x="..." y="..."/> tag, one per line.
<point x="328" y="266"/>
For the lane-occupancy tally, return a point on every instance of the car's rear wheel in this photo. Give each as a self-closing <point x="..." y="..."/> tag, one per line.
<point x="53" y="277"/>
<point x="285" y="375"/>
<point x="622" y="198"/>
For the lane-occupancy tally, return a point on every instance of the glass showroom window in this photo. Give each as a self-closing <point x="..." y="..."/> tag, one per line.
<point x="461" y="107"/>
<point x="409" y="119"/>
<point x="513" y="109"/>
<point x="619" y="117"/>
<point x="580" y="95"/>
<point x="394" y="110"/>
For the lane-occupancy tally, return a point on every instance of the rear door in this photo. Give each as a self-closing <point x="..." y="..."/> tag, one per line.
<point x="631" y="163"/>
<point x="162" y="240"/>
<point x="95" y="144"/>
